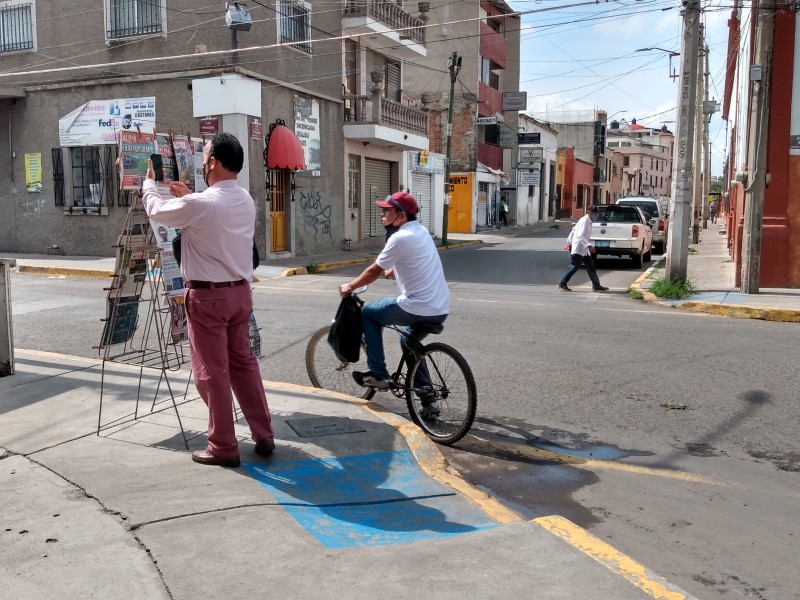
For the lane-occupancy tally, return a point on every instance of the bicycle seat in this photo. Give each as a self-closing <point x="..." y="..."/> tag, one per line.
<point x="432" y="328"/>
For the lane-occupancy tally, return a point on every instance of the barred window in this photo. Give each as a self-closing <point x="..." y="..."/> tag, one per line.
<point x="295" y="24"/>
<point x="86" y="186"/>
<point x="17" y="27"/>
<point x="127" y="18"/>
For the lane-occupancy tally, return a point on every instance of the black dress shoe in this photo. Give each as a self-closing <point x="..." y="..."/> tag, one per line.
<point x="599" y="288"/>
<point x="204" y="457"/>
<point x="265" y="447"/>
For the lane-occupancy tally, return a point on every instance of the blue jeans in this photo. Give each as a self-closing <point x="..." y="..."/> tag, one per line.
<point x="575" y="264"/>
<point x="386" y="312"/>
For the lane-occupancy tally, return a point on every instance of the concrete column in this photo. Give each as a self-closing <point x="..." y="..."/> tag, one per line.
<point x="237" y="124"/>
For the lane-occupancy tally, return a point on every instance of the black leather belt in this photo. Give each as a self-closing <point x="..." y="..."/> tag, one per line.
<point x="212" y="285"/>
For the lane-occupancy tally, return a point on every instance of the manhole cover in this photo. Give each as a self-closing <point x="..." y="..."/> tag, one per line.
<point x="319" y="426"/>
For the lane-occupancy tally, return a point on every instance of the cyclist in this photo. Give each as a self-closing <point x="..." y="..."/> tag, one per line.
<point x="410" y="256"/>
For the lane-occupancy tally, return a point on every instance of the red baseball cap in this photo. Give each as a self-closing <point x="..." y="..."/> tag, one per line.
<point x="402" y="201"/>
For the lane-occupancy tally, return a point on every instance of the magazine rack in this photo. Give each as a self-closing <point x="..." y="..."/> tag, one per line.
<point x="145" y="321"/>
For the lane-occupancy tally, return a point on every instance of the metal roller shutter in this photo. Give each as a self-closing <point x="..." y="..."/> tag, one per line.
<point x="378" y="179"/>
<point x="421" y="189"/>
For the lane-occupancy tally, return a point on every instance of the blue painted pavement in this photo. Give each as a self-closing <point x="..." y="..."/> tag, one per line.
<point x="368" y="500"/>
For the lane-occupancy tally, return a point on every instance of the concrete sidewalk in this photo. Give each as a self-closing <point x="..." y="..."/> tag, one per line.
<point x="354" y="501"/>
<point x="711" y="271"/>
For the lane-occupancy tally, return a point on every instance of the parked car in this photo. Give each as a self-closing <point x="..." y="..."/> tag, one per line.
<point x="651" y="207"/>
<point x="622" y="230"/>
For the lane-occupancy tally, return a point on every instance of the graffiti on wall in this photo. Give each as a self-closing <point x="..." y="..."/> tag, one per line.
<point x="315" y="214"/>
<point x="34" y="207"/>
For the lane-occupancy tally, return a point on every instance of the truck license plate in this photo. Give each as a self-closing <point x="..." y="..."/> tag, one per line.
<point x="602" y="243"/>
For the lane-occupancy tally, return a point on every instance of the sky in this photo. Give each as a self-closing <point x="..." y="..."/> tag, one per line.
<point x="584" y="58"/>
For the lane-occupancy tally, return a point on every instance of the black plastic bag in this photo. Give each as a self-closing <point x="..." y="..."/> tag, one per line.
<point x="345" y="334"/>
<point x="176" y="250"/>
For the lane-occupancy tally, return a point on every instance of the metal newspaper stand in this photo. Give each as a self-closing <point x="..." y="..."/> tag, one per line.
<point x="145" y="322"/>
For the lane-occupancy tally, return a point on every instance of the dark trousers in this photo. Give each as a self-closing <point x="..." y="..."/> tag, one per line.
<point x="575" y="262"/>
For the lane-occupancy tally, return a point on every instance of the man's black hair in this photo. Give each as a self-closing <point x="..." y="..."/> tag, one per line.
<point x="227" y="150"/>
<point x="410" y="217"/>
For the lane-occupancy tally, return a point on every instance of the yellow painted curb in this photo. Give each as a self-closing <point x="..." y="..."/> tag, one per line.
<point x="609" y="557"/>
<point x="785" y="315"/>
<point x="65" y="272"/>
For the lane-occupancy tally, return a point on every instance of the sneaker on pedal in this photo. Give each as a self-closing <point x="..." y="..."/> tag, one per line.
<point x="367" y="379"/>
<point x="431" y="411"/>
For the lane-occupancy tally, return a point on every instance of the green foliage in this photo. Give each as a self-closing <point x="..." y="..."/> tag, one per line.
<point x="635" y="294"/>
<point x="663" y="288"/>
<point x="693" y="251"/>
<point x="555" y="226"/>
<point x="312" y="268"/>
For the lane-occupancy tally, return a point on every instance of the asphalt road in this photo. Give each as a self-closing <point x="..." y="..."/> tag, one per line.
<point x="671" y="435"/>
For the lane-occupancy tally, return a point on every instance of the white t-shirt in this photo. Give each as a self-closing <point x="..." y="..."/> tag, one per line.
<point x="418" y="271"/>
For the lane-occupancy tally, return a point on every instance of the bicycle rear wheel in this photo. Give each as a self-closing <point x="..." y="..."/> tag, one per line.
<point x="326" y="371"/>
<point x="441" y="394"/>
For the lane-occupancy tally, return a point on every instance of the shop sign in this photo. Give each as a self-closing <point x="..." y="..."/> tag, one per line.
<point x="97" y="122"/>
<point x="209" y="126"/>
<point x="306" y="128"/>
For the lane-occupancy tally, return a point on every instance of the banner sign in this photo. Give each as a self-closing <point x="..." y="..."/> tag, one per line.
<point x="529" y="177"/>
<point x="515" y="101"/>
<point x="98" y="122"/>
<point x="529" y="138"/>
<point x="306" y="128"/>
<point x="33" y="171"/>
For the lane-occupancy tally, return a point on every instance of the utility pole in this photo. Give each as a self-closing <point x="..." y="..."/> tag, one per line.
<point x="678" y="241"/>
<point x="697" y="188"/>
<point x="455" y="67"/>
<point x="709" y="108"/>
<point x="757" y="147"/>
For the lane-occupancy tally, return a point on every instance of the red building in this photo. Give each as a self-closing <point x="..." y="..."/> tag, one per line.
<point x="780" y="259"/>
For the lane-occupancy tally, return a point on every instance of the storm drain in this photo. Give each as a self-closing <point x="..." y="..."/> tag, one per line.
<point x="319" y="426"/>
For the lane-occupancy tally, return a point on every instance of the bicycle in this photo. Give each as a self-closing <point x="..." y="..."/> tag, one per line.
<point x="435" y="380"/>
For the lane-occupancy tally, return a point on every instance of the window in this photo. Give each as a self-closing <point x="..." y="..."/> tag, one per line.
<point x="295" y="24"/>
<point x="127" y="18"/>
<point x="90" y="173"/>
<point x="626" y="161"/>
<point x="487" y="75"/>
<point x="86" y="176"/>
<point x="17" y="27"/>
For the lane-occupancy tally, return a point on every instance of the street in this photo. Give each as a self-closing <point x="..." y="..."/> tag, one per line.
<point x="670" y="435"/>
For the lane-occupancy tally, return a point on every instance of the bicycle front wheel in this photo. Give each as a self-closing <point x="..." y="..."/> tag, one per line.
<point x="326" y="371"/>
<point x="441" y="394"/>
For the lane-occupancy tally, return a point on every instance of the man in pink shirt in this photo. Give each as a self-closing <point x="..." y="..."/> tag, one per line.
<point x="216" y="248"/>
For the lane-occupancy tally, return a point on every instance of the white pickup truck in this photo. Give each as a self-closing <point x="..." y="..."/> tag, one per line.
<point x="622" y="231"/>
<point x="651" y="207"/>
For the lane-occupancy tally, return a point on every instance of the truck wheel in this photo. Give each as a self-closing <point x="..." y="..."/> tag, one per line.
<point x="648" y="255"/>
<point x="637" y="260"/>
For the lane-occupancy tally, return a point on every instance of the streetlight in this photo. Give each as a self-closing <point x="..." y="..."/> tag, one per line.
<point x="672" y="72"/>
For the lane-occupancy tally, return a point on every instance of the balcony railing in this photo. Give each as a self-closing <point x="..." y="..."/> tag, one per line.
<point x="390" y="14"/>
<point x="490" y="100"/>
<point x="490" y="155"/>
<point x="382" y="111"/>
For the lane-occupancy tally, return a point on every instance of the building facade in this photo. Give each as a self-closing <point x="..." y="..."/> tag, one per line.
<point x="168" y="66"/>
<point x="536" y="172"/>
<point x="780" y="226"/>
<point x="484" y="35"/>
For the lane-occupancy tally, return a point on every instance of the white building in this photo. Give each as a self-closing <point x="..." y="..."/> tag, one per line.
<point x="536" y="173"/>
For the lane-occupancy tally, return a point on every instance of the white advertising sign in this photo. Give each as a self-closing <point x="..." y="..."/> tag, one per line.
<point x="97" y="122"/>
<point x="529" y="177"/>
<point x="306" y="128"/>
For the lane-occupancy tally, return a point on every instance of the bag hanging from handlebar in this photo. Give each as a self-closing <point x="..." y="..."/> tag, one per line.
<point x="345" y="334"/>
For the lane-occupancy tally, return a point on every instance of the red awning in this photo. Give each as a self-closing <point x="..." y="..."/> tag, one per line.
<point x="284" y="150"/>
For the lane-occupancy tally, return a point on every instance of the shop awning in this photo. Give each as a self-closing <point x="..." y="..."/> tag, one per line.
<point x="284" y="150"/>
